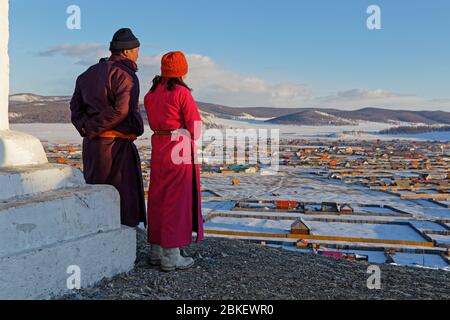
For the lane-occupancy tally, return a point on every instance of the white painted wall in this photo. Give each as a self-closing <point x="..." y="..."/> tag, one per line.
<point x="4" y="64"/>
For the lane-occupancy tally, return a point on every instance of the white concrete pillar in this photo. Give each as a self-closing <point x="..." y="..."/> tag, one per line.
<point x="16" y="148"/>
<point x="4" y="65"/>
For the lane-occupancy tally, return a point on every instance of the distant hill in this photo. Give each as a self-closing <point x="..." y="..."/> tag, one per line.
<point x="31" y="108"/>
<point x="225" y="112"/>
<point x="315" y="117"/>
<point x="339" y="117"/>
<point x="318" y="116"/>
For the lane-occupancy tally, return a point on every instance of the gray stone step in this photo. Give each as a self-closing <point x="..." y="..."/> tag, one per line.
<point x="43" y="273"/>
<point x="18" y="182"/>
<point x="55" y="216"/>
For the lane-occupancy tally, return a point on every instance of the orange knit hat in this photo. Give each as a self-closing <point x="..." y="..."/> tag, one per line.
<point x="174" y="65"/>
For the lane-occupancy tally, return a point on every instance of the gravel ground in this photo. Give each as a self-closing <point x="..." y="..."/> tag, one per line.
<point x="235" y="270"/>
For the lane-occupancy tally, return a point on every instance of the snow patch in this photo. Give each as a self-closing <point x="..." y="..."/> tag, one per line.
<point x="13" y="115"/>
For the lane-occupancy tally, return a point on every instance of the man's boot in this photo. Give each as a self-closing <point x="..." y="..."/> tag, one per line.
<point x="155" y="255"/>
<point x="172" y="260"/>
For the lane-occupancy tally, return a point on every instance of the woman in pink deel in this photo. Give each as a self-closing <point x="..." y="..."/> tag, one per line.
<point x="174" y="205"/>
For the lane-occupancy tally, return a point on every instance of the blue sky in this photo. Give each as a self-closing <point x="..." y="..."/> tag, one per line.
<point x="285" y="53"/>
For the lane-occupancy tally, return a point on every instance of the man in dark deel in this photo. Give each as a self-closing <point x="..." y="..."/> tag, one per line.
<point x="105" y="111"/>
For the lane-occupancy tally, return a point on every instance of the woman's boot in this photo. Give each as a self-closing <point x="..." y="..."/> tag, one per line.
<point x="172" y="260"/>
<point x="155" y="255"/>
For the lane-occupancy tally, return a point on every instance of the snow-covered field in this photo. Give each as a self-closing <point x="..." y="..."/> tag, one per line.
<point x="364" y="230"/>
<point x="310" y="188"/>
<point x="251" y="225"/>
<point x="326" y="132"/>
<point x="65" y="133"/>
<point x="364" y="130"/>
<point x="296" y="184"/>
<point x="420" y="260"/>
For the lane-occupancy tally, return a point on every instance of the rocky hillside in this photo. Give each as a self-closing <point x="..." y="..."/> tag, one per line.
<point x="233" y="269"/>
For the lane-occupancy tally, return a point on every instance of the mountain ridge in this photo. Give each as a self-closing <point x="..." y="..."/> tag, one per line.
<point x="29" y="108"/>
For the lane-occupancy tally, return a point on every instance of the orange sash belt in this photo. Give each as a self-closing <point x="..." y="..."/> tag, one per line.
<point x="117" y="134"/>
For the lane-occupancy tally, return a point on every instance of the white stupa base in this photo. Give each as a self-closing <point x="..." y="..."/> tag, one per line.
<point x="19" y="149"/>
<point x="50" y="220"/>
<point x="43" y="273"/>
